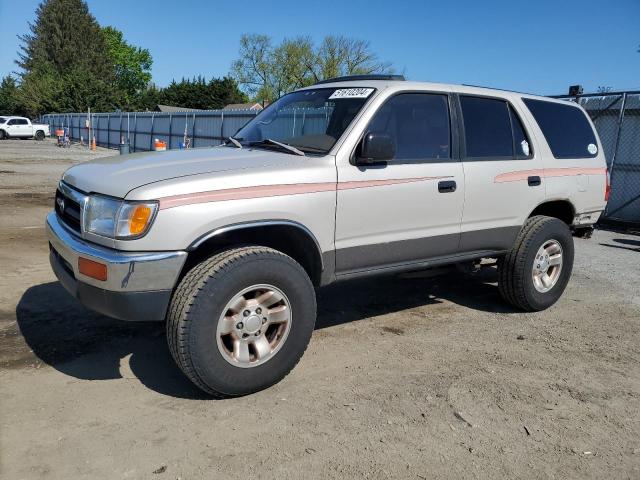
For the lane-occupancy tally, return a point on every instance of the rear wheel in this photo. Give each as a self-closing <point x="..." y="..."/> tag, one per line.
<point x="534" y="274"/>
<point x="40" y="135"/>
<point x="241" y="320"/>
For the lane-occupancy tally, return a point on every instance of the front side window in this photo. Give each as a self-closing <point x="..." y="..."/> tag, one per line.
<point x="12" y="122"/>
<point x="565" y="127"/>
<point x="310" y="120"/>
<point x="419" y="125"/>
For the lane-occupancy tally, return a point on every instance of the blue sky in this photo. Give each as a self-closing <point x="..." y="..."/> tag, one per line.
<point x="539" y="46"/>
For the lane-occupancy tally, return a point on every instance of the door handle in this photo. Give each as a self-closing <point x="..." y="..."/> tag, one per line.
<point x="447" y="186"/>
<point x="534" y="181"/>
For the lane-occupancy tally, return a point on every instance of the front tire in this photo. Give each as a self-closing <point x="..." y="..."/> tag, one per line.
<point x="3" y="135"/>
<point x="241" y="320"/>
<point x="534" y="274"/>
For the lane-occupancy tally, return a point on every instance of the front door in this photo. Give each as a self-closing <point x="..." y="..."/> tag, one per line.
<point x="408" y="209"/>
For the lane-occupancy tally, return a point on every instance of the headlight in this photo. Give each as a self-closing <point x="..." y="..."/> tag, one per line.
<point x="113" y="218"/>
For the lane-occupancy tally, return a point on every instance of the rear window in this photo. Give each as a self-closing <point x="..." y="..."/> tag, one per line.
<point x="565" y="128"/>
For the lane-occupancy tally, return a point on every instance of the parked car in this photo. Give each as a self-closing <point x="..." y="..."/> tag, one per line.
<point x="21" y="127"/>
<point x="345" y="179"/>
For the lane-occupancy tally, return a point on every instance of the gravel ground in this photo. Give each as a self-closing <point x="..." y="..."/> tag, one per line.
<point x="405" y="377"/>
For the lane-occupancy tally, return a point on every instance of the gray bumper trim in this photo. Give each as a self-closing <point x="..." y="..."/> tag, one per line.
<point x="127" y="271"/>
<point x="134" y="306"/>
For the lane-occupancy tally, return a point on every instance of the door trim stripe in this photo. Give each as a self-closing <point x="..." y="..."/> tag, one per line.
<point x="265" y="191"/>
<point x="548" y="173"/>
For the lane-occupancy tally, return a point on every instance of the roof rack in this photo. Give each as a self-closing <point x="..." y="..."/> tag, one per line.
<point x="353" y="78"/>
<point x="494" y="88"/>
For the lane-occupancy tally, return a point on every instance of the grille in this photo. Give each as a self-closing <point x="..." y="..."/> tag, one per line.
<point x="68" y="210"/>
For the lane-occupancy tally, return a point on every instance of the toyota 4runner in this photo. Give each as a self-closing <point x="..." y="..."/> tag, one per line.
<point x="348" y="178"/>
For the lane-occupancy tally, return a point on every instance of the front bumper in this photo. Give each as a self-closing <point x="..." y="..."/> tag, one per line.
<point x="138" y="285"/>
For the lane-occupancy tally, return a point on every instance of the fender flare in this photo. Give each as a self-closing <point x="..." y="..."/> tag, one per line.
<point x="254" y="224"/>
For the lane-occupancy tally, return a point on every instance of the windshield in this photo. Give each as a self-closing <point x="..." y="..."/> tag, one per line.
<point x="310" y="120"/>
<point x="2" y="119"/>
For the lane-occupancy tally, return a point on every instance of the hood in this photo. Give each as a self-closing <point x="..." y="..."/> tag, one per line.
<point x="118" y="175"/>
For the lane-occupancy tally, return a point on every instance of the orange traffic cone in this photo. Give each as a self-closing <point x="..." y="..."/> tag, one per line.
<point x="93" y="144"/>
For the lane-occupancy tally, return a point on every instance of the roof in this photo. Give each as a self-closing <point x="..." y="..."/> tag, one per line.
<point x="401" y="85"/>
<point x="171" y="108"/>
<point x="244" y="106"/>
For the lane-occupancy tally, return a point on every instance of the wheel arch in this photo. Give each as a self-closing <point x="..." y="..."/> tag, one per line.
<point x="562" y="209"/>
<point x="287" y="236"/>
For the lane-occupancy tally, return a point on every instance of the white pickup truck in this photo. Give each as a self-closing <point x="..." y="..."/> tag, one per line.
<point x="21" y="127"/>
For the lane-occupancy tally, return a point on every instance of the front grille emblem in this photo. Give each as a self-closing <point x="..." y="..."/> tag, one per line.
<point x="60" y="202"/>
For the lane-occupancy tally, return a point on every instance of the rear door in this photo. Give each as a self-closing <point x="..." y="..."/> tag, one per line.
<point x="502" y="169"/>
<point x="408" y="209"/>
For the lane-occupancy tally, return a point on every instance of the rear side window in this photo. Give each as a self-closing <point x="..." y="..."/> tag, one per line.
<point x="487" y="128"/>
<point x="521" y="143"/>
<point x="565" y="128"/>
<point x="419" y="125"/>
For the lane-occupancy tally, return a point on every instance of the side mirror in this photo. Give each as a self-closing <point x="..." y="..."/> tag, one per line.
<point x="376" y="147"/>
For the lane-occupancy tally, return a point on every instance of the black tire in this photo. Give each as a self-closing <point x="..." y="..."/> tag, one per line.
<point x="39" y="135"/>
<point x="515" y="270"/>
<point x="3" y="135"/>
<point x="198" y="303"/>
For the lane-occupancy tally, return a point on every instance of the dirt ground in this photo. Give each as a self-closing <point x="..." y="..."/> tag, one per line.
<point x="414" y="378"/>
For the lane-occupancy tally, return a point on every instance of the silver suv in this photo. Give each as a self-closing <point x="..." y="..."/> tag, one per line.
<point x="353" y="177"/>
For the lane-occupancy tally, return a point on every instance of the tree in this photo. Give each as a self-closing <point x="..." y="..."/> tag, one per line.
<point x="132" y="66"/>
<point x="267" y="71"/>
<point x="198" y="93"/>
<point x="9" y="96"/>
<point x="63" y="61"/>
<point x="254" y="69"/>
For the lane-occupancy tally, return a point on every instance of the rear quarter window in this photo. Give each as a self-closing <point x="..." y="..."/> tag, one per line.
<point x="565" y="127"/>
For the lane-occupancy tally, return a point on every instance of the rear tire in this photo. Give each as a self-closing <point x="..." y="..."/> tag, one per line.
<point x="206" y="333"/>
<point x="39" y="135"/>
<point x="534" y="274"/>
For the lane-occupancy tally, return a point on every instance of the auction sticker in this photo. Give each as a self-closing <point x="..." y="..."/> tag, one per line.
<point x="351" y="93"/>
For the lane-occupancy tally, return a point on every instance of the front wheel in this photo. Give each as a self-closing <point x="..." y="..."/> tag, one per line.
<point x="241" y="320"/>
<point x="3" y="135"/>
<point x="534" y="274"/>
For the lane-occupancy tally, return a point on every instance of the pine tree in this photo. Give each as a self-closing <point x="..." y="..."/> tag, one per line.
<point x="64" y="61"/>
<point x="8" y="96"/>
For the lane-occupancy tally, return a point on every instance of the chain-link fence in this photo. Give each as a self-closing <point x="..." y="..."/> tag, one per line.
<point x="140" y="129"/>
<point x="616" y="116"/>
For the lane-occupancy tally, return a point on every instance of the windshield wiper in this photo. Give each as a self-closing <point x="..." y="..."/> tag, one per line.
<point x="234" y="141"/>
<point x="289" y="148"/>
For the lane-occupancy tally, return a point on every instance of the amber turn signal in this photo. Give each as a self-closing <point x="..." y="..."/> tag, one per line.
<point x="92" y="269"/>
<point x="139" y="219"/>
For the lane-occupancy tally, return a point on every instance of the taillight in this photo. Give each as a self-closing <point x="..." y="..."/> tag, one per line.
<point x="607" y="188"/>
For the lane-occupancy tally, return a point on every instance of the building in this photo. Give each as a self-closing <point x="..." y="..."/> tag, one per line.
<point x="244" y="106"/>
